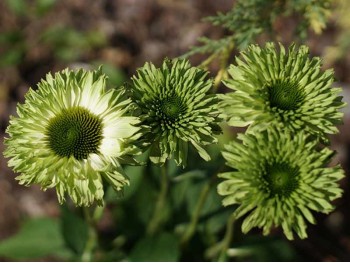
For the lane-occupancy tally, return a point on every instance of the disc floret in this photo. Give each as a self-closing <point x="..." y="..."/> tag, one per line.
<point x="280" y="179"/>
<point x="75" y="132"/>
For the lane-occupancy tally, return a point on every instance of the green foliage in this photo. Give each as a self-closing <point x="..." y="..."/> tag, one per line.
<point x="249" y="19"/>
<point x="116" y="76"/>
<point x="65" y="42"/>
<point x="74" y="230"/>
<point x="315" y="13"/>
<point x="14" y="46"/>
<point x="339" y="49"/>
<point x="19" y="7"/>
<point x="157" y="248"/>
<point x="69" y="44"/>
<point x="23" y="7"/>
<point x="257" y="249"/>
<point x="44" y="6"/>
<point x="37" y="238"/>
<point x="135" y="175"/>
<point x="211" y="46"/>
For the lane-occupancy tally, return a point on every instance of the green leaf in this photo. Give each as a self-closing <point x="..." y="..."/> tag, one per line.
<point x="37" y="238"/>
<point x="116" y="76"/>
<point x="43" y="6"/>
<point x="135" y="175"/>
<point x="263" y="249"/>
<point x="210" y="46"/>
<point x="18" y="7"/>
<point x="194" y="174"/>
<point x="74" y="230"/>
<point x="11" y="57"/>
<point x="212" y="202"/>
<point x="217" y="222"/>
<point x="158" y="248"/>
<point x="144" y="201"/>
<point x="13" y="37"/>
<point x="67" y="54"/>
<point x="183" y="184"/>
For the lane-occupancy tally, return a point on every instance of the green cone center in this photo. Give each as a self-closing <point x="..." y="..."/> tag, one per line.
<point x="75" y="132"/>
<point x="171" y="108"/>
<point x="285" y="95"/>
<point x="281" y="179"/>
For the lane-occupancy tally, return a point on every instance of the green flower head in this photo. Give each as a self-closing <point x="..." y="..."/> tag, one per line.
<point x="279" y="178"/>
<point x="175" y="105"/>
<point x="282" y="88"/>
<point x="69" y="134"/>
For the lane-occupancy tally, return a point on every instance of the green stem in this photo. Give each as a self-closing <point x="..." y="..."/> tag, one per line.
<point x="157" y="216"/>
<point x="220" y="76"/>
<point x="225" y="243"/>
<point x="222" y="73"/>
<point x="189" y="232"/>
<point x="206" y="62"/>
<point x="91" y="242"/>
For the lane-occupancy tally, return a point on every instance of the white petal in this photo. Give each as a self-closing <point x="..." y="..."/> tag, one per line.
<point x="92" y="90"/>
<point x="110" y="147"/>
<point x="120" y="128"/>
<point x="97" y="162"/>
<point x="98" y="107"/>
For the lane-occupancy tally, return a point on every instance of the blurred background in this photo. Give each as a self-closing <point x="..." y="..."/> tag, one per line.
<point x="38" y="36"/>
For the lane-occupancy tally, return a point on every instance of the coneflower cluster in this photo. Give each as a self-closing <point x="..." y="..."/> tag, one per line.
<point x="72" y="134"/>
<point x="280" y="170"/>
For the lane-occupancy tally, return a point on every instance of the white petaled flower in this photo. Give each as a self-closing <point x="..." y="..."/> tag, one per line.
<point x="71" y="134"/>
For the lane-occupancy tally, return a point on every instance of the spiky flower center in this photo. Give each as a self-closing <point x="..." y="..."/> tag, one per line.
<point x="284" y="95"/>
<point x="75" y="131"/>
<point x="281" y="179"/>
<point x="170" y="109"/>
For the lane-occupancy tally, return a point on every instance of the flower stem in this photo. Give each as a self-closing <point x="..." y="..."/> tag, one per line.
<point x="225" y="243"/>
<point x="91" y="242"/>
<point x="222" y="73"/>
<point x="190" y="230"/>
<point x="157" y="216"/>
<point x="206" y="62"/>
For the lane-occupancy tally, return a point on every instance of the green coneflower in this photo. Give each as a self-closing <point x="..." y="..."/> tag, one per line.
<point x="69" y="134"/>
<point x="282" y="88"/>
<point x="279" y="178"/>
<point x="174" y="103"/>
